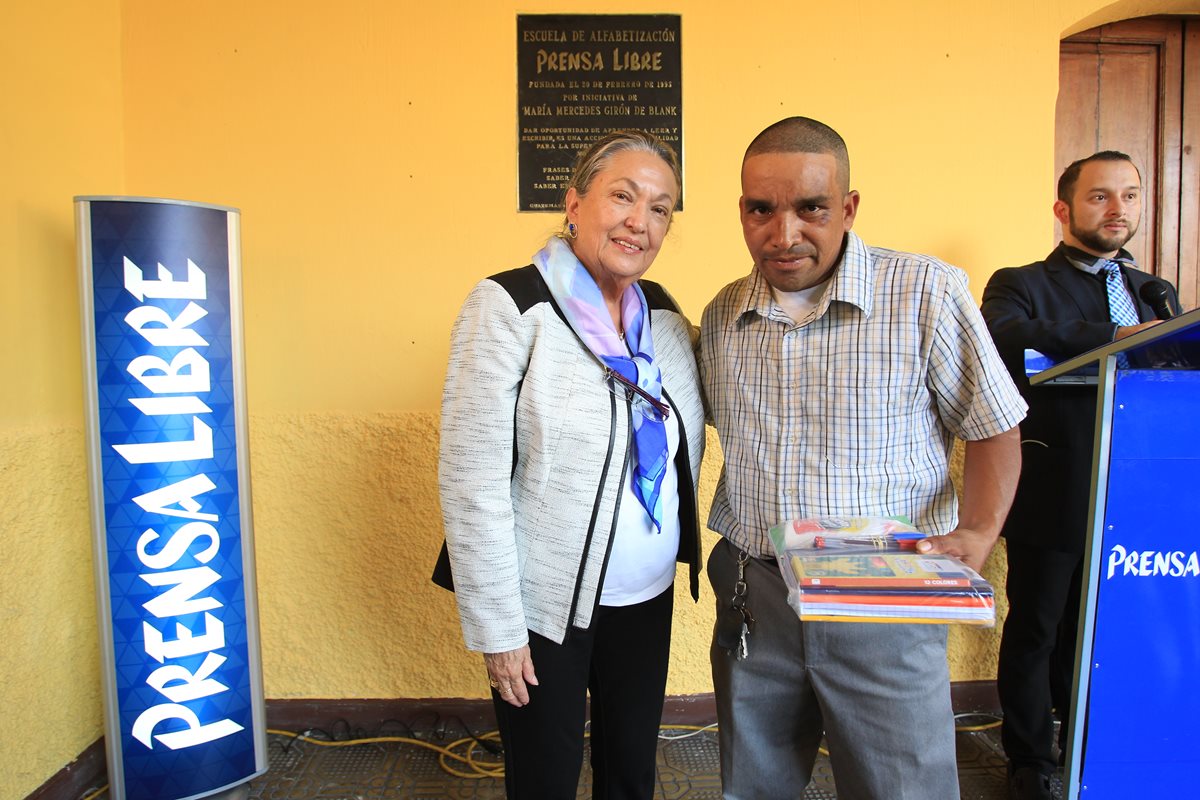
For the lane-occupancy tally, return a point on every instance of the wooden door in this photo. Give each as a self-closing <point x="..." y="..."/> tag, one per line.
<point x="1134" y="86"/>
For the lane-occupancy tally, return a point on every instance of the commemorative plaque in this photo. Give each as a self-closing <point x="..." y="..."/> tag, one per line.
<point x="580" y="76"/>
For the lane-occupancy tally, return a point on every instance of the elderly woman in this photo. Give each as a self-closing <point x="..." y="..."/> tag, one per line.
<point x="572" y="432"/>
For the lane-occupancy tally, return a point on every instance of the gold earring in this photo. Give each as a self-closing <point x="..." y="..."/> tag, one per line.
<point x="572" y="231"/>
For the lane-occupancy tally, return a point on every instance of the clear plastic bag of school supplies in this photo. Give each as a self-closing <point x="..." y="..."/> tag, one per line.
<point x="867" y="569"/>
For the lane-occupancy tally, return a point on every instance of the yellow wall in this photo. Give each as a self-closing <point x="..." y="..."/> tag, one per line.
<point x="371" y="148"/>
<point x="61" y="134"/>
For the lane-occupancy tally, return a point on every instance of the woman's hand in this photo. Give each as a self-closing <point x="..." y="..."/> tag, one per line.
<point x="509" y="672"/>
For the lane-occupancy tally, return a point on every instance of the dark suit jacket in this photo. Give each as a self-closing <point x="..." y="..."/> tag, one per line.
<point x="1053" y="307"/>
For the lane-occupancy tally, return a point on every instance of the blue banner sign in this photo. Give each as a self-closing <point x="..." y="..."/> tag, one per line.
<point x="168" y="466"/>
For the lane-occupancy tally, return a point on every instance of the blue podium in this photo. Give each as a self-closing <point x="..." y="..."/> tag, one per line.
<point x="1138" y="664"/>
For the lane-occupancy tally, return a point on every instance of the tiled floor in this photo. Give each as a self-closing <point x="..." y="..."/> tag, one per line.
<point x="383" y="770"/>
<point x="687" y="769"/>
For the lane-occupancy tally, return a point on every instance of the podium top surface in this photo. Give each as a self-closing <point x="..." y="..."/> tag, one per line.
<point x="1175" y="344"/>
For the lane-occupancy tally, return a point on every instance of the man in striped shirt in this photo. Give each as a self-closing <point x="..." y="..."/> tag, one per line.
<point x="838" y="376"/>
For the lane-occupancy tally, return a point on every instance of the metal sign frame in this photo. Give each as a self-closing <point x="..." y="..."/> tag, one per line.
<point x="167" y="441"/>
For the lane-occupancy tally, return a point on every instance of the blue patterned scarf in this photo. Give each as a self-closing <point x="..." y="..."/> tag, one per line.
<point x="577" y="294"/>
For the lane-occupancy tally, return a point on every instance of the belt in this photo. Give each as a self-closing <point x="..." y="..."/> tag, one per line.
<point x="770" y="559"/>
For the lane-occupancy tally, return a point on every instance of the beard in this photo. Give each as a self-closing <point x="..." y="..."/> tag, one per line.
<point x="1100" y="241"/>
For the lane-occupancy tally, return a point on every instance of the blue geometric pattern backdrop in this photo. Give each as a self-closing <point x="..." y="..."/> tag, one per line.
<point x="160" y="292"/>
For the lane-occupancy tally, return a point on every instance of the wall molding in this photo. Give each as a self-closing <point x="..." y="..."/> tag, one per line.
<point x="88" y="772"/>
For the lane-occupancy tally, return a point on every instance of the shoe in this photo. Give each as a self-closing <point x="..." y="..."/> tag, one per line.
<point x="1026" y="783"/>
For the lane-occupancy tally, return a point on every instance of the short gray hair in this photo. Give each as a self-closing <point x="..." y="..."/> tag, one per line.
<point x="594" y="159"/>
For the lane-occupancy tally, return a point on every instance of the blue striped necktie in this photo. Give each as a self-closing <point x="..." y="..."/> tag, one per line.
<point x="1121" y="309"/>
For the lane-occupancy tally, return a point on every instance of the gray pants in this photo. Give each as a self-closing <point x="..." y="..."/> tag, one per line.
<point x="880" y="694"/>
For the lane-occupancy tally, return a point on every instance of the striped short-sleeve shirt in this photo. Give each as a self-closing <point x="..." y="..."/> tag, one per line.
<point x="853" y="410"/>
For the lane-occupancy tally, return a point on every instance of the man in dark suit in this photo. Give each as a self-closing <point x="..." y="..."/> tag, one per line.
<point x="1061" y="307"/>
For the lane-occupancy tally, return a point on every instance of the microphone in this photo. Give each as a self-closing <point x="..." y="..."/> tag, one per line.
<point x="1155" y="295"/>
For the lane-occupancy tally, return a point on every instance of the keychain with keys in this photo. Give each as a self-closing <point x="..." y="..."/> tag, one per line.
<point x="736" y="622"/>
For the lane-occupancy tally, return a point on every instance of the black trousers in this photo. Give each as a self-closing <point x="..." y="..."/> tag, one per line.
<point x="621" y="660"/>
<point x="1037" y="652"/>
